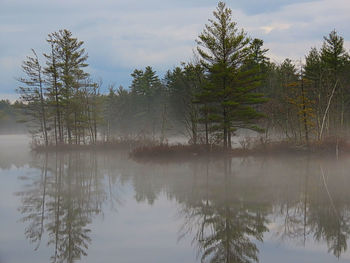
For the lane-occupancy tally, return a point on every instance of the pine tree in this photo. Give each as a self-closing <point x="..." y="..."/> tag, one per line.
<point x="334" y="58"/>
<point x="183" y="84"/>
<point x="70" y="59"/>
<point x="54" y="88"/>
<point x="147" y="92"/>
<point x="314" y="73"/>
<point x="224" y="50"/>
<point x="33" y="93"/>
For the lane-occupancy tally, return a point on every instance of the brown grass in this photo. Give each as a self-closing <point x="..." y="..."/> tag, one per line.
<point x="325" y="147"/>
<point x="149" y="150"/>
<point x="176" y="152"/>
<point x="122" y="144"/>
<point x="281" y="148"/>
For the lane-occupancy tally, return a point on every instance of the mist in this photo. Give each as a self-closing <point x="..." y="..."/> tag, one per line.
<point x="161" y="210"/>
<point x="229" y="156"/>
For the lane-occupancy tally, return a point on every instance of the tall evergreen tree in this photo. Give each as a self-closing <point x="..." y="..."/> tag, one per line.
<point x="223" y="50"/>
<point x="334" y="58"/>
<point x="71" y="61"/>
<point x="148" y="92"/>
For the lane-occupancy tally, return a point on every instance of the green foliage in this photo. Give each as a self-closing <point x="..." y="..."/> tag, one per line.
<point x="333" y="53"/>
<point x="232" y="86"/>
<point x="60" y="98"/>
<point x="233" y="74"/>
<point x="183" y="84"/>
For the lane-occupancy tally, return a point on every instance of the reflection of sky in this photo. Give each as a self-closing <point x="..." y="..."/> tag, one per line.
<point x="140" y="233"/>
<point x="271" y="251"/>
<point x="13" y="245"/>
<point x="135" y="232"/>
<point x="122" y="35"/>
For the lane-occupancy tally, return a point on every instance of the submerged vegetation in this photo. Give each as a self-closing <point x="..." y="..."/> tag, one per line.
<point x="230" y="87"/>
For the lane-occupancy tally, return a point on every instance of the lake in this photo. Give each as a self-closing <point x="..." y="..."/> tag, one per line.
<point x="105" y="207"/>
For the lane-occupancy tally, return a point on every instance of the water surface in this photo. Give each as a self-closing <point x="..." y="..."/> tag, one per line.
<point x="104" y="207"/>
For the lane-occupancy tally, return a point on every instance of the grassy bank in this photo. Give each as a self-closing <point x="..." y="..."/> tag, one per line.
<point x="122" y="144"/>
<point x="151" y="150"/>
<point x="176" y="152"/>
<point x="329" y="147"/>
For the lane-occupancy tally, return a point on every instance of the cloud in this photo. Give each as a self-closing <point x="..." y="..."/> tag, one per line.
<point x="122" y="35"/>
<point x="267" y="29"/>
<point x="293" y="29"/>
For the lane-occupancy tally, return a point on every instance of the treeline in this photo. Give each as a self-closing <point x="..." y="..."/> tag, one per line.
<point x="310" y="100"/>
<point x="11" y="117"/>
<point x="230" y="86"/>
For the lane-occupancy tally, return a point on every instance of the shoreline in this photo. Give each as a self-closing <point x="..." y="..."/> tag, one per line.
<point x="148" y="151"/>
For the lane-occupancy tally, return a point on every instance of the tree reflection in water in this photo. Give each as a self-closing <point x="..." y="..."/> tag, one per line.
<point x="62" y="201"/>
<point x="319" y="209"/>
<point x="225" y="226"/>
<point x="227" y="206"/>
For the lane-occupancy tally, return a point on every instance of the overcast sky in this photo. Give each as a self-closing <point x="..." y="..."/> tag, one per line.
<point x="121" y="35"/>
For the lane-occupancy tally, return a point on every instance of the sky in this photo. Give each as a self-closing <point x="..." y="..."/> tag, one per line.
<point x="123" y="35"/>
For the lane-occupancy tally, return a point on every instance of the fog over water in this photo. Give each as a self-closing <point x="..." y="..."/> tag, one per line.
<point x="105" y="207"/>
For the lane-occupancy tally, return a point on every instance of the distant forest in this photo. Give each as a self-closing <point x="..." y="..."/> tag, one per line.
<point x="12" y="118"/>
<point x="229" y="87"/>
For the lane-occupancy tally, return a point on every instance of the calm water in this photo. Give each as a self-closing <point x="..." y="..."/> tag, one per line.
<point x="104" y="207"/>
